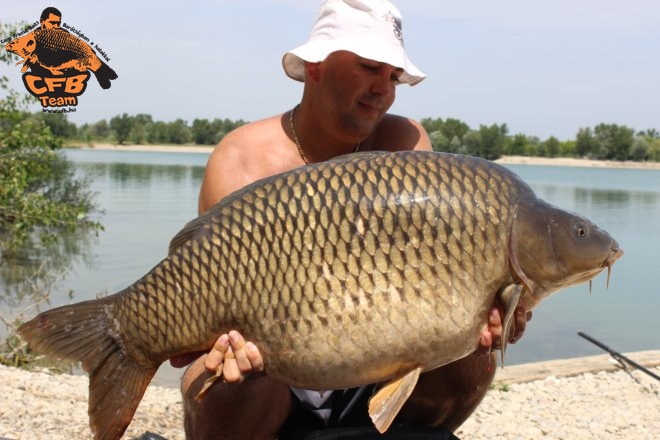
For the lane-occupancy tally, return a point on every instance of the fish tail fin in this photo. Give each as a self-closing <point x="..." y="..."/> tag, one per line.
<point x="84" y="332"/>
<point x="104" y="74"/>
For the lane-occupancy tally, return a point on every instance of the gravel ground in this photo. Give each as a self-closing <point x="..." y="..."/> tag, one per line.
<point x="604" y="405"/>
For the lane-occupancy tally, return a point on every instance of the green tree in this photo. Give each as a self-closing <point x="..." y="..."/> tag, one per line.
<point x="653" y="151"/>
<point x="640" y="149"/>
<point x="39" y="192"/>
<point x="492" y="139"/>
<point x="650" y="133"/>
<point x="101" y="129"/>
<point x="140" y="128"/>
<point x="438" y="141"/>
<point x="613" y="141"/>
<point x="551" y="147"/>
<point x="59" y="125"/>
<point x="585" y="144"/>
<point x="454" y="128"/>
<point x="471" y="144"/>
<point x="431" y="124"/>
<point x="158" y="133"/>
<point x="121" y="126"/>
<point x="203" y="132"/>
<point x="178" y="132"/>
<point x="517" y="145"/>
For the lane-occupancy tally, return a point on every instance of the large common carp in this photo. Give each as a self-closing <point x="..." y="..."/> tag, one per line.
<point x="367" y="268"/>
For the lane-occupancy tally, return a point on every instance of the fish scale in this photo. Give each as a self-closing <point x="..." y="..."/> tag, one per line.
<point x="363" y="269"/>
<point x="347" y="259"/>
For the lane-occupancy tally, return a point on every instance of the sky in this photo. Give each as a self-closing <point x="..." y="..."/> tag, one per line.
<point x="544" y="67"/>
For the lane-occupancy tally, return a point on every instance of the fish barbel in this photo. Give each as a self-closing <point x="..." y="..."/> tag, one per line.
<point x="367" y="268"/>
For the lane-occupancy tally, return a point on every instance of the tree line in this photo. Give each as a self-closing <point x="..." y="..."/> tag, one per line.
<point x="141" y="129"/>
<point x="602" y="142"/>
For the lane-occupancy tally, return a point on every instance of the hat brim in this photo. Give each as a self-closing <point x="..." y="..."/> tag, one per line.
<point x="317" y="51"/>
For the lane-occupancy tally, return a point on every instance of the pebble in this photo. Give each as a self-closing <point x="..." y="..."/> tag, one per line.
<point x="604" y="405"/>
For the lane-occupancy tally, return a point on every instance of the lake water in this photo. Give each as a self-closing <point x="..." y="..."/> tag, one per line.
<point x="148" y="197"/>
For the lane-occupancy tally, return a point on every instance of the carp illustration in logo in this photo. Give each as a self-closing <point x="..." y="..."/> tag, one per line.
<point x="58" y="61"/>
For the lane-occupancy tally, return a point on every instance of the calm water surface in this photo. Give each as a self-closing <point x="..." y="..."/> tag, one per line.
<point x="148" y="197"/>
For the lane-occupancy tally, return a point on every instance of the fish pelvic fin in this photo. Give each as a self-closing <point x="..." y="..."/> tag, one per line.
<point x="208" y="383"/>
<point x="388" y="400"/>
<point x="82" y="332"/>
<point x="509" y="297"/>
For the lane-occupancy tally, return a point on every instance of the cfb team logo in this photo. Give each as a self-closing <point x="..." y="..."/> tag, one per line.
<point x="58" y="62"/>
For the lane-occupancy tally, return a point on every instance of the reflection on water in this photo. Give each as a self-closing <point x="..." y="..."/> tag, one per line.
<point x="123" y="173"/>
<point x="40" y="269"/>
<point x="148" y="197"/>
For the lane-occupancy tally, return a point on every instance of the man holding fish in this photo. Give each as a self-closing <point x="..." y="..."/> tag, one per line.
<point x="350" y="67"/>
<point x="377" y="268"/>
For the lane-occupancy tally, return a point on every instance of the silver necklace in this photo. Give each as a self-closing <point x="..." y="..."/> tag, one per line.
<point x="295" y="136"/>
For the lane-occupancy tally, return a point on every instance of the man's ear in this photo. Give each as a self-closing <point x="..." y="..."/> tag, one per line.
<point x="312" y="71"/>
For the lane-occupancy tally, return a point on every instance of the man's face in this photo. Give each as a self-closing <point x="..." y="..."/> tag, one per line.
<point x="52" y="22"/>
<point x="357" y="90"/>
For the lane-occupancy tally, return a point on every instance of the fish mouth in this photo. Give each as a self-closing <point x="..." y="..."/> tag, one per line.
<point x="614" y="255"/>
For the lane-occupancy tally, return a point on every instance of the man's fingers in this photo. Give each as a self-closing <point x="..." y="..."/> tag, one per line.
<point x="495" y="328"/>
<point x="237" y="343"/>
<point x="485" y="341"/>
<point x="255" y="358"/>
<point x="521" y="317"/>
<point x="216" y="356"/>
<point x="230" y="371"/>
<point x="234" y="356"/>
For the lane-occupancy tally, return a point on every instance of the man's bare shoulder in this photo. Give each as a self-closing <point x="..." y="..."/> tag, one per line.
<point x="254" y="133"/>
<point x="248" y="153"/>
<point x="396" y="133"/>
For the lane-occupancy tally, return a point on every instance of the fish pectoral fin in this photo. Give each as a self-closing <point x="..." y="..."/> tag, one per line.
<point x="208" y="383"/>
<point x="509" y="297"/>
<point x="387" y="402"/>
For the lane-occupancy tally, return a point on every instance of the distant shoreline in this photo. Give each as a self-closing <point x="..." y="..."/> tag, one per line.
<point x="505" y="160"/>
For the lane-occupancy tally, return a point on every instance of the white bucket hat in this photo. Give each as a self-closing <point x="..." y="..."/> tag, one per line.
<point x="368" y="28"/>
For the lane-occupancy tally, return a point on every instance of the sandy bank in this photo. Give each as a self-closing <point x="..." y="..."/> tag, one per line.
<point x="573" y="162"/>
<point x="572" y="398"/>
<point x="150" y="148"/>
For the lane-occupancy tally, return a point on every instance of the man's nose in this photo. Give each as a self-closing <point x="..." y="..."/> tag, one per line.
<point x="383" y="84"/>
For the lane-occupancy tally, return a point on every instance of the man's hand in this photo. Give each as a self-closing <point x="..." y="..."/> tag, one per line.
<point x="230" y="352"/>
<point x="236" y="357"/>
<point x="491" y="339"/>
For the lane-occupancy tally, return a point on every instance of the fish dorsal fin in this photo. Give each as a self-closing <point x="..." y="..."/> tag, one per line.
<point x="509" y="297"/>
<point x="389" y="399"/>
<point x="186" y="233"/>
<point x="358" y="155"/>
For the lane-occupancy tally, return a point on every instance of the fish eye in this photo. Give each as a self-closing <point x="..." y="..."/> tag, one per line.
<point x="580" y="229"/>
